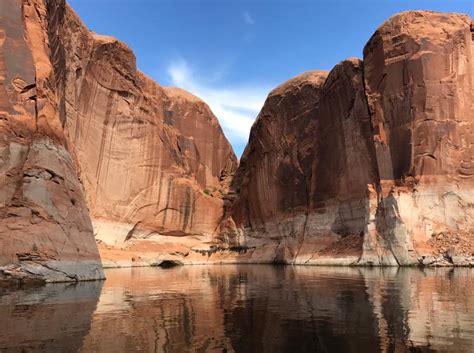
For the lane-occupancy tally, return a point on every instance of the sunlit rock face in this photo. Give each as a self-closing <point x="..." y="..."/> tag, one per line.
<point x="419" y="72"/>
<point x="153" y="160"/>
<point x="91" y="146"/>
<point x="45" y="230"/>
<point x="371" y="165"/>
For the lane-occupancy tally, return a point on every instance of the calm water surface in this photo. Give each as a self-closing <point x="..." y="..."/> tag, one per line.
<point x="246" y="309"/>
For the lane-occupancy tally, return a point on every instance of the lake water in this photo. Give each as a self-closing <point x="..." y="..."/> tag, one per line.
<point x="251" y="308"/>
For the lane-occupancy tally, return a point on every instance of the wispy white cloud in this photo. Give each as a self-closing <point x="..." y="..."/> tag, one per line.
<point x="248" y="18"/>
<point x="236" y="106"/>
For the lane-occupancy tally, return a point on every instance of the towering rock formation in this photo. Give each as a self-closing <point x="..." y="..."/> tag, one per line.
<point x="86" y="137"/>
<point x="372" y="165"/>
<point x="308" y="189"/>
<point x="153" y="160"/>
<point x="45" y="229"/>
<point x="419" y="73"/>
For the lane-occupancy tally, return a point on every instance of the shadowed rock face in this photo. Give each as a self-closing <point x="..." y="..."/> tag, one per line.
<point x="273" y="178"/>
<point x="327" y="155"/>
<point x="371" y="165"/>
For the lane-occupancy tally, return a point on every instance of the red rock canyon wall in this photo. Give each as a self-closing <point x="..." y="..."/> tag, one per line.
<point x="372" y="165"/>
<point x="91" y="146"/>
<point x="153" y="160"/>
<point x="45" y="229"/>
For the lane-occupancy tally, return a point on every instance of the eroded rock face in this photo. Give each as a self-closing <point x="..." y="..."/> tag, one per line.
<point x="327" y="155"/>
<point x="90" y="145"/>
<point x="371" y="165"/>
<point x="45" y="230"/>
<point x="419" y="72"/>
<point x="153" y="160"/>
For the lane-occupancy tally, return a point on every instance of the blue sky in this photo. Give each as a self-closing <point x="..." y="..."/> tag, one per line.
<point x="232" y="53"/>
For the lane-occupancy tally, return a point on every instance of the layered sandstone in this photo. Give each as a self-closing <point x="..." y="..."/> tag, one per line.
<point x="45" y="230"/>
<point x="153" y="160"/>
<point x="372" y="165"/>
<point x="94" y="147"/>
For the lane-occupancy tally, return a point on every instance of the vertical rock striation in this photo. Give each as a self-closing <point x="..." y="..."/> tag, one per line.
<point x="328" y="157"/>
<point x="272" y="181"/>
<point x="419" y="72"/>
<point x="91" y="146"/>
<point x="153" y="160"/>
<point x="45" y="230"/>
<point x="371" y="165"/>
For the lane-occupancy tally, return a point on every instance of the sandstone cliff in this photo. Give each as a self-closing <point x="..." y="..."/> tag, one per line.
<point x="45" y="229"/>
<point x="419" y="75"/>
<point x="372" y="165"/>
<point x="91" y="146"/>
<point x="153" y="160"/>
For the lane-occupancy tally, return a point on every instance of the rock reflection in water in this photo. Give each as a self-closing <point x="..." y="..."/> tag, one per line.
<point x="53" y="318"/>
<point x="266" y="309"/>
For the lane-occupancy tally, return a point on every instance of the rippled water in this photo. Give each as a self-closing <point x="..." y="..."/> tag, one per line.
<point x="246" y="309"/>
